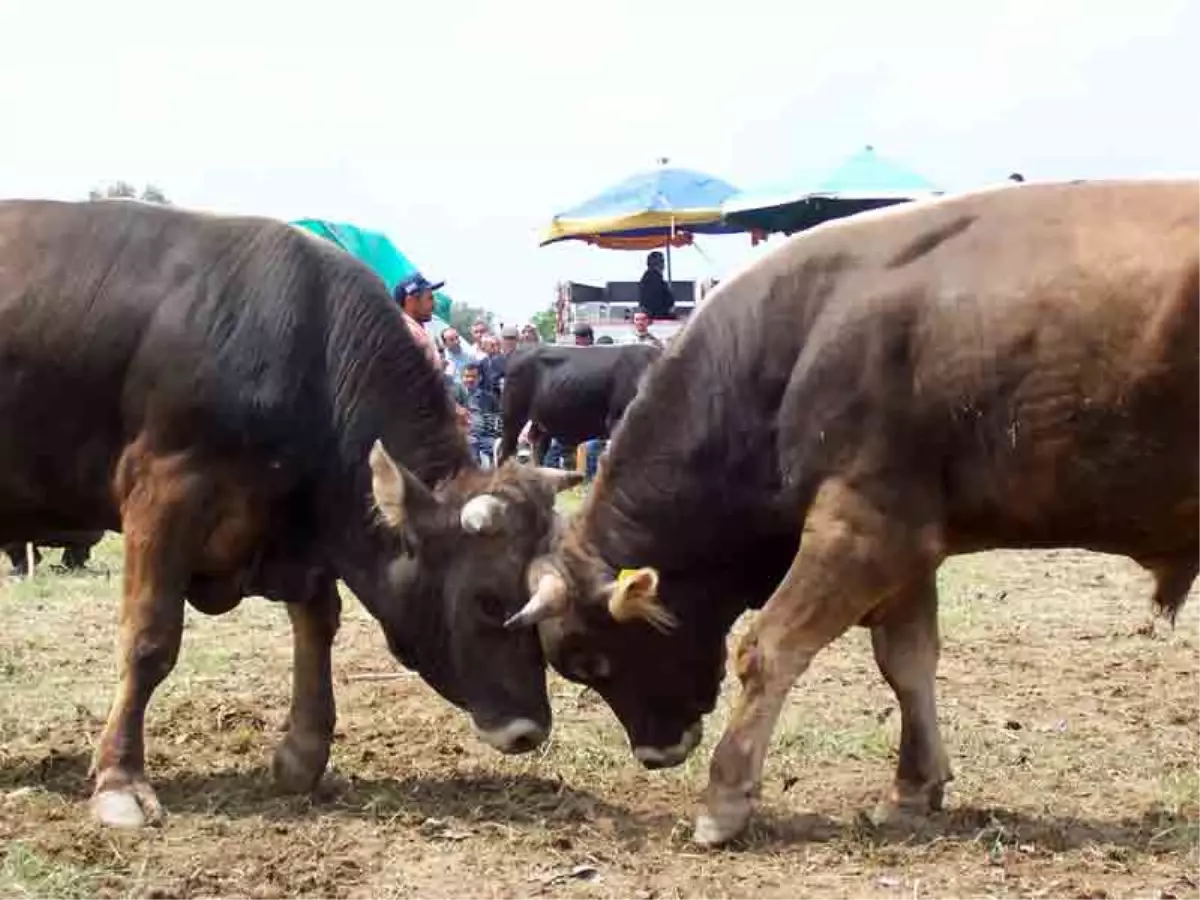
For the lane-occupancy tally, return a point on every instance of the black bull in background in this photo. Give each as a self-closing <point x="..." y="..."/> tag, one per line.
<point x="76" y="550"/>
<point x="573" y="394"/>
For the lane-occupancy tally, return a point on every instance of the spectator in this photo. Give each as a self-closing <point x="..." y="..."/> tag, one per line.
<point x="415" y="296"/>
<point x="529" y="334"/>
<point x="453" y="382"/>
<point x="457" y="394"/>
<point x="509" y="338"/>
<point x="605" y="340"/>
<point x="457" y="353"/>
<point x="584" y="336"/>
<point x="491" y="366"/>
<point x="478" y="330"/>
<point x="641" y="329"/>
<point x="483" y="416"/>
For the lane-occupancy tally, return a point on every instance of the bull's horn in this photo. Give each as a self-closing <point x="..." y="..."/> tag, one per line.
<point x="480" y="514"/>
<point x="635" y="596"/>
<point x="549" y="600"/>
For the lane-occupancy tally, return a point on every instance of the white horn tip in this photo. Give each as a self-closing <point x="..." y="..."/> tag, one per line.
<point x="546" y="602"/>
<point x="480" y="513"/>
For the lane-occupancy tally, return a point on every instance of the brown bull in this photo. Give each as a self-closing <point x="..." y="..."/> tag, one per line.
<point x="1014" y="368"/>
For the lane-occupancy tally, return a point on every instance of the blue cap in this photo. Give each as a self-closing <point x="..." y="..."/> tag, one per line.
<point x="415" y="284"/>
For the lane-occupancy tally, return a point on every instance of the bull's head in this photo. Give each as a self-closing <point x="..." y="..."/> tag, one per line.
<point x="612" y="631"/>
<point x="468" y="547"/>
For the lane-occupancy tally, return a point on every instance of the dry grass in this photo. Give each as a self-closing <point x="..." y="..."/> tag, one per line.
<point x="1073" y="732"/>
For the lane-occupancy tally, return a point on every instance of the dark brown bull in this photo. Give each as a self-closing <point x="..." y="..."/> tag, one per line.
<point x="214" y="387"/>
<point x="1016" y="368"/>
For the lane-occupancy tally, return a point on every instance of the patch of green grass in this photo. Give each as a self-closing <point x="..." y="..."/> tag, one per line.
<point x="26" y="873"/>
<point x="569" y="502"/>
<point x="819" y="741"/>
<point x="1179" y="792"/>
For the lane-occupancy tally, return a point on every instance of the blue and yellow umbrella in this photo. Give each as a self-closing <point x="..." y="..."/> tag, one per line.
<point x="663" y="207"/>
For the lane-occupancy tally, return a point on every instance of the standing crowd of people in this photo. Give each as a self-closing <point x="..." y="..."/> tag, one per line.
<point x="474" y="371"/>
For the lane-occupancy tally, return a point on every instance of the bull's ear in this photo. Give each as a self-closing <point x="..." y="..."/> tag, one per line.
<point x="635" y="596"/>
<point x="397" y="492"/>
<point x="560" y="479"/>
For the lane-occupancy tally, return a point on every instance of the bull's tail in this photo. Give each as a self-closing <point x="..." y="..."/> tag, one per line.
<point x="1172" y="583"/>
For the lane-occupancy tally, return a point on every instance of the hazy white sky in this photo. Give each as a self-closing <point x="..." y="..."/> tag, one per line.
<point x="460" y="126"/>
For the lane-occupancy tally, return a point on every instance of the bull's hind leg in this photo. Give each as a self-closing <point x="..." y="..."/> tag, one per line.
<point x="301" y="758"/>
<point x="907" y="646"/>
<point x="852" y="558"/>
<point x="162" y="501"/>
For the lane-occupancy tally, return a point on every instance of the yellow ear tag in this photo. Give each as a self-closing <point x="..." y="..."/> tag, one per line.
<point x="625" y="574"/>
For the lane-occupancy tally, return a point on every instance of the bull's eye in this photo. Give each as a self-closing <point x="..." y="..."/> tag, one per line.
<point x="492" y="608"/>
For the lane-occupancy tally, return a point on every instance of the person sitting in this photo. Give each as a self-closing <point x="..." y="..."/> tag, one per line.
<point x="654" y="294"/>
<point x="483" y="417"/>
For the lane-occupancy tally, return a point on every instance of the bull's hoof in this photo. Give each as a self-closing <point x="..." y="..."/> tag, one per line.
<point x="133" y="806"/>
<point x="724" y="818"/>
<point x="907" y="806"/>
<point x="299" y="763"/>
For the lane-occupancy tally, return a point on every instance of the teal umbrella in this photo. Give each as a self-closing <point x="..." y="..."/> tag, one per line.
<point x="378" y="252"/>
<point x="863" y="181"/>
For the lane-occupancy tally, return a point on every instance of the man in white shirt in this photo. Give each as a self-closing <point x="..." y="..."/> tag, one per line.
<point x="458" y="353"/>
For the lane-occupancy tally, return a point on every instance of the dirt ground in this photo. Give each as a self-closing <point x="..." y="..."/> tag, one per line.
<point x="1072" y="729"/>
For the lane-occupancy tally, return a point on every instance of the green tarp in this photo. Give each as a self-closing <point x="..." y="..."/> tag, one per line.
<point x="376" y="250"/>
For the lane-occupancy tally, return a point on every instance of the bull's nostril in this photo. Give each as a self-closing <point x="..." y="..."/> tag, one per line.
<point x="523" y="743"/>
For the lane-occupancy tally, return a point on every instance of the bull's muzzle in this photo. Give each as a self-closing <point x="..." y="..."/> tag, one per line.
<point x="665" y="757"/>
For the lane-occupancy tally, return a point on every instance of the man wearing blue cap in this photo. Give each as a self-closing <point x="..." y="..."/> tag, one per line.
<point x="415" y="296"/>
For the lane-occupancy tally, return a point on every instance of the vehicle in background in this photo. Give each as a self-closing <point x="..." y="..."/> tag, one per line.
<point x="609" y="309"/>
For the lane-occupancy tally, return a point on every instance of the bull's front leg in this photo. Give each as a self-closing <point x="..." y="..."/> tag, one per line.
<point x="301" y="757"/>
<point x="159" y="518"/>
<point x="852" y="558"/>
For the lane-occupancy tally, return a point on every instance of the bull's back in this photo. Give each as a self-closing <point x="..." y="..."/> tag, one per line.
<point x="574" y="392"/>
<point x="116" y="318"/>
<point x="1034" y="355"/>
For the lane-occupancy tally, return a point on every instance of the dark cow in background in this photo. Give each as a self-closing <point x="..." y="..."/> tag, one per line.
<point x="230" y="393"/>
<point x="573" y="394"/>
<point x="1014" y="368"/>
<point x="76" y="550"/>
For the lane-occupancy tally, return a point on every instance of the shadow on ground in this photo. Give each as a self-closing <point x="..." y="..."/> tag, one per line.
<point x="531" y="801"/>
